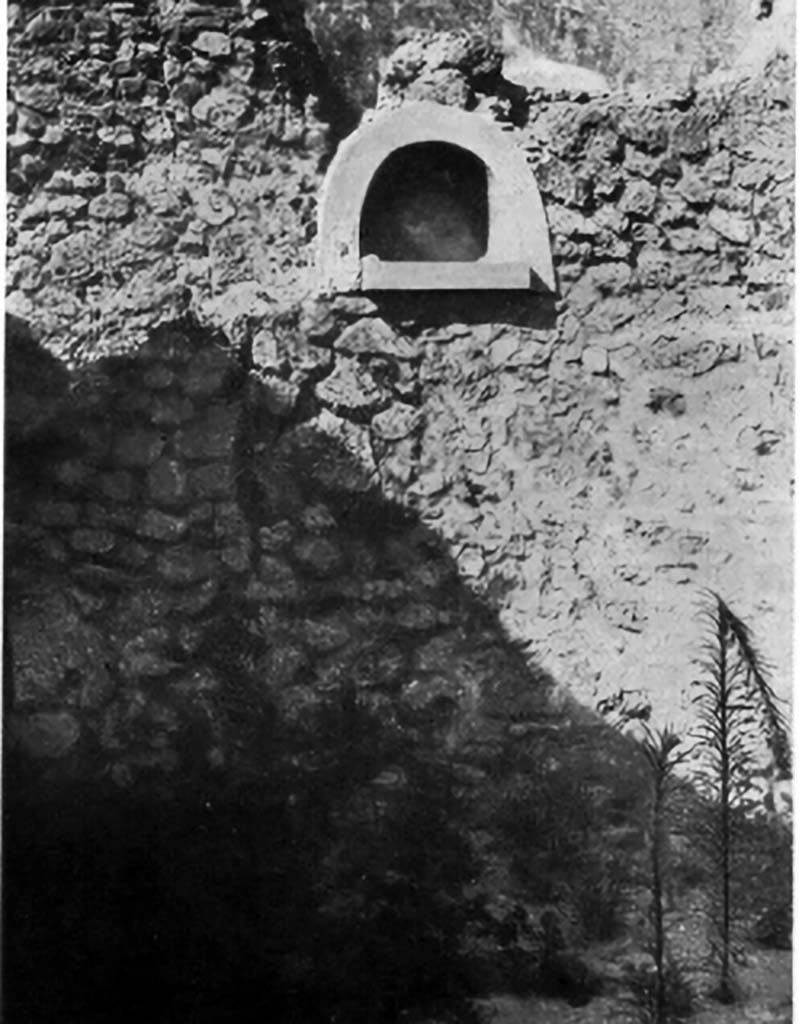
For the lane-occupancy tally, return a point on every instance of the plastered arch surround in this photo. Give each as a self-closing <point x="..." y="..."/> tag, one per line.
<point x="518" y="253"/>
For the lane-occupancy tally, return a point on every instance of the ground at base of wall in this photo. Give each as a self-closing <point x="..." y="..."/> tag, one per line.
<point x="766" y="980"/>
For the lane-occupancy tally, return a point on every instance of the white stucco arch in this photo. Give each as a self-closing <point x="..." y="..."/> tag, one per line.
<point x="518" y="254"/>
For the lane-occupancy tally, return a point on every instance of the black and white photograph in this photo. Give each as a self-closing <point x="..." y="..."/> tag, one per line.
<point x="398" y="452"/>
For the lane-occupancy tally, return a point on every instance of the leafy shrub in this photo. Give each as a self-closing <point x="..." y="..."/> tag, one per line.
<point x="763" y="885"/>
<point x="573" y="835"/>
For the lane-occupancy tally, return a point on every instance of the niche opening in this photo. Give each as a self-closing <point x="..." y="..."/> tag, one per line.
<point x="428" y="202"/>
<point x="430" y="197"/>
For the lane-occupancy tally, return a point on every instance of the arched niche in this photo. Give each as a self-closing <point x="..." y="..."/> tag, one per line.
<point x="430" y="197"/>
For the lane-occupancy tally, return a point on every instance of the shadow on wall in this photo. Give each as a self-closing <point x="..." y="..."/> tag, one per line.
<point x="266" y="755"/>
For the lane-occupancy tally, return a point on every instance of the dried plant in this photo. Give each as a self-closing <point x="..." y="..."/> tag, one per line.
<point x="663" y="759"/>
<point x="737" y="711"/>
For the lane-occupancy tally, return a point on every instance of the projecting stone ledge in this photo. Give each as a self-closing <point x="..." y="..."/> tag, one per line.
<point x="377" y="275"/>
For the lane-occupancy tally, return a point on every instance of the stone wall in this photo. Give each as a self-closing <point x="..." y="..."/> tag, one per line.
<point x="197" y="443"/>
<point x="606" y="458"/>
<point x="181" y="567"/>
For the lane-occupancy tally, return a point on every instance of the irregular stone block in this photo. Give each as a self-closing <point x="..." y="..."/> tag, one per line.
<point x="476" y="463"/>
<point x="351" y="387"/>
<point x="19" y="143"/>
<point x="46" y="734"/>
<point x="398" y="465"/>
<point x="674" y="210"/>
<point x="718" y="168"/>
<point x="319" y="322"/>
<point x="266" y="354"/>
<point x="277" y="537"/>
<point x="320" y="555"/>
<point x="276" y="351"/>
<point x="471" y="563"/>
<point x="611" y="278"/>
<point x="197" y="599"/>
<point x="734" y="227"/>
<point x="170" y="345"/>
<point x="608" y="183"/>
<point x="202" y="512"/>
<point x="144" y="655"/>
<point x="169" y="410"/>
<point x="276" y="581"/>
<point x="610" y="218"/>
<point x="569" y="223"/>
<point x="418" y="616"/>
<point x="646" y="131"/>
<point x="113" y="206"/>
<point x="51" y="645"/>
<point x="668" y="399"/>
<point x="68" y="207"/>
<point x="132" y="86"/>
<point x="403" y="379"/>
<point x="118" y="486"/>
<point x="638" y="199"/>
<point x="211" y="436"/>
<point x="229" y="521"/>
<point x="595" y="359"/>
<point x="282" y="665"/>
<point x="690" y="136"/>
<point x="208" y="372"/>
<point x="696" y="189"/>
<point x="186" y="565"/>
<point x="132" y="554"/>
<point x="419" y="695"/>
<point x="139" y="449"/>
<point x="222" y="108"/>
<point x="213" y="44"/>
<point x="151" y="235"/>
<point x="216" y="480"/>
<point x="161" y="526"/>
<point x="236" y="556"/>
<point x="683" y="239"/>
<point x="382" y="591"/>
<point x="397" y="422"/>
<point x="318" y="519"/>
<point x="109" y="517"/>
<point x="167" y="482"/>
<point x="95" y="542"/>
<point x="325" y="636"/>
<point x="446" y="86"/>
<point x="655" y="269"/>
<point x="157" y="377"/>
<point x="201" y="680"/>
<point x="610" y="247"/>
<point x="55" y="513"/>
<point x="354" y="305"/>
<point x="280" y="396"/>
<point x="213" y="206"/>
<point x="557" y="180"/>
<point x="45" y="98"/>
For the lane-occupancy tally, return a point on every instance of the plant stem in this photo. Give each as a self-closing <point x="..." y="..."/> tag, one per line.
<point x="724" y="780"/>
<point x="657" y="899"/>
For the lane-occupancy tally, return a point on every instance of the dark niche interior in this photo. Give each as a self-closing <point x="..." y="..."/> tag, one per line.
<point x="428" y="202"/>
